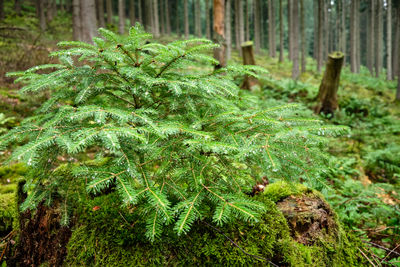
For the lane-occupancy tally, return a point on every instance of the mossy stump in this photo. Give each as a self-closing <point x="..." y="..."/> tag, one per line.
<point x="327" y="95"/>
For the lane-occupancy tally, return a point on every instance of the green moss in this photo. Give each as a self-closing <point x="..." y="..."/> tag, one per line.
<point x="8" y="212"/>
<point x="12" y="172"/>
<point x="112" y="236"/>
<point x="280" y="190"/>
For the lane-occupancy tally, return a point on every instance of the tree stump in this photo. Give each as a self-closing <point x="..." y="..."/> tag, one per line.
<point x="249" y="83"/>
<point x="327" y="95"/>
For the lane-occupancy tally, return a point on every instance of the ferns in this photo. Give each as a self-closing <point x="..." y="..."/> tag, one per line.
<point x="180" y="145"/>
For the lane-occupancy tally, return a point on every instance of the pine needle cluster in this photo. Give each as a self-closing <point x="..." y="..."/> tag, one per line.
<point x="182" y="142"/>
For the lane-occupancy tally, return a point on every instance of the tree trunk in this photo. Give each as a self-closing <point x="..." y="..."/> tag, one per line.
<point x="295" y="40"/>
<point x="177" y="20"/>
<point x="303" y="37"/>
<point x="357" y="37"/>
<point x="241" y="23"/>
<point x="398" y="60"/>
<point x="100" y="13"/>
<point x="132" y="16"/>
<point x="149" y="20"/>
<point x="389" y="40"/>
<point x="76" y="19"/>
<point x="109" y="11"/>
<point x="379" y="37"/>
<point x="2" y="16"/>
<point x="271" y="29"/>
<point x="17" y="6"/>
<point x="396" y="50"/>
<point x="186" y="15"/>
<point x="353" y="37"/>
<point x="167" y="18"/>
<point x="249" y="82"/>
<point x="315" y="33"/>
<point x="208" y="23"/>
<point x="42" y="16"/>
<point x="219" y="32"/>
<point x="140" y="15"/>
<point x="197" y="15"/>
<point x="247" y="20"/>
<point x="327" y="95"/>
<point x="290" y="33"/>
<point x="162" y="18"/>
<point x="320" y="35"/>
<point x="257" y="34"/>
<point x="281" y="57"/>
<point x="88" y="20"/>
<point x="121" y="16"/>
<point x="228" y="30"/>
<point x="371" y="39"/>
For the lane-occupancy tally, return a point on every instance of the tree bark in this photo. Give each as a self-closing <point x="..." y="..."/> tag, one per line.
<point x="88" y="20"/>
<point x="186" y="18"/>
<point x="100" y="13"/>
<point x="379" y="37"/>
<point x="219" y="32"/>
<point x="247" y="20"/>
<point x="295" y="40"/>
<point x="343" y="29"/>
<point x="76" y="19"/>
<point x="162" y="18"/>
<point x="208" y="23"/>
<point x="42" y="16"/>
<point x="121" y="16"/>
<point x="241" y="23"/>
<point x="249" y="82"/>
<point x="398" y="60"/>
<point x="132" y="16"/>
<point x="353" y="36"/>
<point x="140" y="12"/>
<point x="156" y="22"/>
<point x="303" y="37"/>
<point x="315" y="33"/>
<point x="281" y="57"/>
<point x="228" y="30"/>
<point x="320" y="35"/>
<point x="396" y="50"/>
<point x="109" y="11"/>
<point x="197" y="18"/>
<point x="389" y="40"/>
<point x="290" y="33"/>
<point x="2" y="16"/>
<point x="271" y="29"/>
<point x="327" y="95"/>
<point x="257" y="34"/>
<point x="167" y="18"/>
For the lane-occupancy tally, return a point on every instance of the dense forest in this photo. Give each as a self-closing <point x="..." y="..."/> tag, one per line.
<point x="199" y="132"/>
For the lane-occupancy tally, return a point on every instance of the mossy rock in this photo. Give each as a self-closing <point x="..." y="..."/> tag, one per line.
<point x="105" y="235"/>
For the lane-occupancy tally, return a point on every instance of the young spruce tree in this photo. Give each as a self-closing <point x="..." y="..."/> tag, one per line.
<point x="178" y="139"/>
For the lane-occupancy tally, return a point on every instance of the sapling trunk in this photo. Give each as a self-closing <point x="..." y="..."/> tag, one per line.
<point x="327" y="95"/>
<point x="249" y="82"/>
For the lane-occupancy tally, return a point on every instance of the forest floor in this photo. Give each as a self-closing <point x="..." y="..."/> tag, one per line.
<point x="364" y="166"/>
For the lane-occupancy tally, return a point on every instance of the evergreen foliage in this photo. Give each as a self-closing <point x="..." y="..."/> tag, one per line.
<point x="177" y="143"/>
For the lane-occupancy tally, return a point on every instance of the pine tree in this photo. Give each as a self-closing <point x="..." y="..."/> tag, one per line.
<point x="177" y="145"/>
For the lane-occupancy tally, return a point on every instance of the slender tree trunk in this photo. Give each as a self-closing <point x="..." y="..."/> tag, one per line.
<point x="177" y="20"/>
<point x="228" y="30"/>
<point x="290" y="26"/>
<point x="88" y="20"/>
<point x="167" y="18"/>
<point x="17" y="6"/>
<point x="262" y="40"/>
<point x="315" y="33"/>
<point x="257" y="34"/>
<point x="371" y="39"/>
<point x="303" y="37"/>
<point x="344" y="29"/>
<point x="132" y="16"/>
<point x="140" y="12"/>
<point x="219" y="31"/>
<point x="320" y="35"/>
<point x="162" y="18"/>
<point x="389" y="39"/>
<point x="121" y="16"/>
<point x="327" y="95"/>
<point x="2" y="16"/>
<point x="295" y="40"/>
<point x="109" y="11"/>
<point x="396" y="50"/>
<point x="379" y="37"/>
<point x="76" y="19"/>
<point x="249" y="82"/>
<point x="353" y="36"/>
<point x="100" y="13"/>
<point x="42" y="16"/>
<point x="281" y="57"/>
<point x="208" y="23"/>
<point x="156" y="24"/>
<point x="398" y="58"/>
<point x="237" y="34"/>
<point x="197" y="15"/>
<point x="186" y="18"/>
<point x="357" y="37"/>
<point x="241" y="23"/>
<point x="149" y="20"/>
<point x="271" y="29"/>
<point x="247" y="20"/>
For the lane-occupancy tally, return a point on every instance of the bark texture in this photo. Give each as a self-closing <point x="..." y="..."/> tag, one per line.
<point x="389" y="40"/>
<point x="379" y="37"/>
<point x="257" y="33"/>
<point x="109" y="11"/>
<point x="320" y="46"/>
<point x="327" y="95"/>
<point x="88" y="20"/>
<point x="271" y="28"/>
<point x="186" y="18"/>
<point x="132" y="16"/>
<point x="197" y="16"/>
<point x="208" y="22"/>
<point x="219" y="31"/>
<point x="156" y="24"/>
<point x="228" y="30"/>
<point x="281" y="57"/>
<point x="121" y="16"/>
<point x="100" y="13"/>
<point x="303" y="37"/>
<point x="76" y="19"/>
<point x="295" y="40"/>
